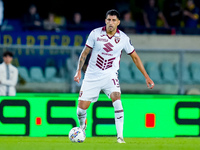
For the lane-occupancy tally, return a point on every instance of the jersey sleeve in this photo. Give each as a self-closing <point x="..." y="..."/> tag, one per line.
<point x="128" y="47"/>
<point x="91" y="39"/>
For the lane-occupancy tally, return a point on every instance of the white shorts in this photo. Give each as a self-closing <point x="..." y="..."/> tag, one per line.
<point x="90" y="89"/>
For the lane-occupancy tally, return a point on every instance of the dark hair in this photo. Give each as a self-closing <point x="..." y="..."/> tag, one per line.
<point x="113" y="12"/>
<point x="32" y="6"/>
<point x="7" y="53"/>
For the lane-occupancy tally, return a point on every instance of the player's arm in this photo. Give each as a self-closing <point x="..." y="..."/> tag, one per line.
<point x="10" y="82"/>
<point x="81" y="62"/>
<point x="140" y="66"/>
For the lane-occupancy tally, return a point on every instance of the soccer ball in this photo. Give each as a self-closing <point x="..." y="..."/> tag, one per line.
<point x="76" y="134"/>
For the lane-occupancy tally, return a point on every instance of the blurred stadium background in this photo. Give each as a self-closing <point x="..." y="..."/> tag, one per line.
<point x="46" y="53"/>
<point x="47" y="38"/>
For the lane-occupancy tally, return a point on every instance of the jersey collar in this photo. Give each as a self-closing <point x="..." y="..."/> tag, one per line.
<point x="6" y="64"/>
<point x="103" y="33"/>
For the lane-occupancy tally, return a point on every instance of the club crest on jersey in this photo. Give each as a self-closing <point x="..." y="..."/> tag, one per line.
<point x="117" y="39"/>
<point x="80" y="93"/>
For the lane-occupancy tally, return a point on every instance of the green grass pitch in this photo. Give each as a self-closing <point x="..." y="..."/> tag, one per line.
<point x="98" y="143"/>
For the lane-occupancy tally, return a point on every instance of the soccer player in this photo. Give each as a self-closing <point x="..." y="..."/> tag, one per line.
<point x="8" y="76"/>
<point x="106" y="44"/>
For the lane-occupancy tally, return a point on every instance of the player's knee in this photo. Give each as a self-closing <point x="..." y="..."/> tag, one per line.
<point x="115" y="96"/>
<point x="83" y="104"/>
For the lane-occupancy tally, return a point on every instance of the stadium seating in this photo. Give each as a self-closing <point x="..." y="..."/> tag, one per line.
<point x="23" y="72"/>
<point x="167" y="72"/>
<point x="153" y="71"/>
<point x="124" y="73"/>
<point x="137" y="75"/>
<point x="36" y="74"/>
<point x="185" y="75"/>
<point x="50" y="73"/>
<point x="63" y="74"/>
<point x="195" y="71"/>
<point x="161" y="73"/>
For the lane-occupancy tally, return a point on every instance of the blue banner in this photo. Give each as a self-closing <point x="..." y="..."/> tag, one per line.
<point x="40" y="57"/>
<point x="67" y="38"/>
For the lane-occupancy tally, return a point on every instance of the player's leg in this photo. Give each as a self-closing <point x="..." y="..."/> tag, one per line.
<point x="89" y="92"/>
<point x="82" y="112"/>
<point x="112" y="90"/>
<point x="119" y="115"/>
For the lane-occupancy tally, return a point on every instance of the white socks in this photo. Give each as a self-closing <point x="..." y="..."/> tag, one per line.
<point x="81" y="113"/>
<point x="119" y="117"/>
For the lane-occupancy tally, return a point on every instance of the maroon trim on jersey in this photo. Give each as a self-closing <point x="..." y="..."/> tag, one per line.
<point x="98" y="65"/>
<point x="110" y="37"/>
<point x="100" y="57"/>
<point x="118" y="30"/>
<point x="104" y="29"/>
<point x="120" y="59"/>
<point x="131" y="52"/>
<point x="104" y="64"/>
<point x="99" y="60"/>
<point x="111" y="59"/>
<point x="88" y="46"/>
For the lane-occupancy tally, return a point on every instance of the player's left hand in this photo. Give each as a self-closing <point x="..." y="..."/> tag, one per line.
<point x="150" y="83"/>
<point x="77" y="76"/>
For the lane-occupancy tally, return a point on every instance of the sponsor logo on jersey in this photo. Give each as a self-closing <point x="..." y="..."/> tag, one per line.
<point x="102" y="39"/>
<point x="107" y="54"/>
<point x="108" y="47"/>
<point x="117" y="39"/>
<point x="104" y="64"/>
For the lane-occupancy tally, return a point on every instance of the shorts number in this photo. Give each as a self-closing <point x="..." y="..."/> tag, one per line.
<point x="116" y="82"/>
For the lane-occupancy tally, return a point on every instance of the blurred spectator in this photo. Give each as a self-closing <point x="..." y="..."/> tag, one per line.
<point x="1" y="13"/>
<point x="173" y="12"/>
<point x="127" y="24"/>
<point x="32" y="19"/>
<point x="49" y="23"/>
<point x="61" y="22"/>
<point x="8" y="76"/>
<point x="191" y="14"/>
<point x="76" y="24"/>
<point x="150" y="14"/>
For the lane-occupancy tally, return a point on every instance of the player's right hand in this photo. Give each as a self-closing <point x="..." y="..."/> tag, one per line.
<point x="77" y="76"/>
<point x="150" y="83"/>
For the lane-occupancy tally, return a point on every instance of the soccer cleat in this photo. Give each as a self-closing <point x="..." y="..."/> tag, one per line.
<point x="120" y="140"/>
<point x="85" y="126"/>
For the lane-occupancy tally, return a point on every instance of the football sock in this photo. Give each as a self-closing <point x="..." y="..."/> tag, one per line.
<point x="119" y="117"/>
<point x="81" y="113"/>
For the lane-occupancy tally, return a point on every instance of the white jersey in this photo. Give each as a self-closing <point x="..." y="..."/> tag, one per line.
<point x="106" y="52"/>
<point x="8" y="80"/>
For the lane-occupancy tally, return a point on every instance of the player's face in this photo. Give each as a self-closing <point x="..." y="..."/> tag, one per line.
<point x="7" y="59"/>
<point x="111" y="23"/>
